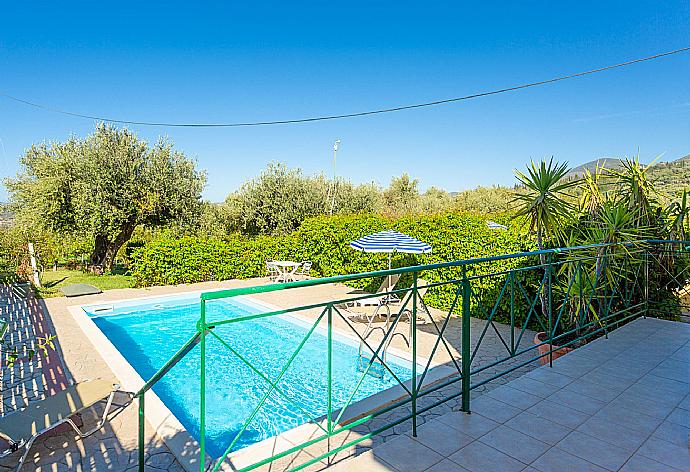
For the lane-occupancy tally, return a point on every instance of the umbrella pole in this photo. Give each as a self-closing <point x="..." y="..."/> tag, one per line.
<point x="390" y="255"/>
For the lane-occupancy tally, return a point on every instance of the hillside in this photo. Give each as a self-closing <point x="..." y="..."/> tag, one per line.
<point x="670" y="178"/>
<point x="607" y="162"/>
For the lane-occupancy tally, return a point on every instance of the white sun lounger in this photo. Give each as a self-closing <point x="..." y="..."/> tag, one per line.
<point x="380" y="297"/>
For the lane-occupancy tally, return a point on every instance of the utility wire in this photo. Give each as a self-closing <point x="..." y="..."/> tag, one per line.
<point x="350" y="115"/>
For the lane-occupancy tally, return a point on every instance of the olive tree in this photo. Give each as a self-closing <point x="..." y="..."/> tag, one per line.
<point x="402" y="196"/>
<point x="280" y="198"/>
<point x="105" y="186"/>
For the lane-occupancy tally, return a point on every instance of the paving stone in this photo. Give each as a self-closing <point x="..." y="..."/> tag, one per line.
<point x="547" y="376"/>
<point x="517" y="445"/>
<point x="629" y="419"/>
<point x="651" y="406"/>
<point x="533" y="387"/>
<point x="558" y="460"/>
<point x="474" y="424"/>
<point x="680" y="416"/>
<point x="640" y="463"/>
<point x="161" y="460"/>
<point x="514" y="397"/>
<point x="441" y="437"/>
<point x="673" y="433"/>
<point x="538" y="428"/>
<point x="404" y="453"/>
<point x="685" y="404"/>
<point x="446" y="465"/>
<point x="666" y="453"/>
<point x="494" y="409"/>
<point x="478" y="457"/>
<point x="558" y="413"/>
<point x="595" y="450"/>
<point x="583" y="404"/>
<point x="613" y="433"/>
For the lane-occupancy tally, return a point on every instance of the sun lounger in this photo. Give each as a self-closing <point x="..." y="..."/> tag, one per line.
<point x="383" y="312"/>
<point x="20" y="429"/>
<point x="380" y="297"/>
<point x="421" y="306"/>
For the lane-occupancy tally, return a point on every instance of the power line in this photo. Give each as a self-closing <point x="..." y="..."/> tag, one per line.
<point x="351" y="115"/>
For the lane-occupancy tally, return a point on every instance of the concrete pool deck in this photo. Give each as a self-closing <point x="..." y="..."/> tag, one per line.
<point x="114" y="447"/>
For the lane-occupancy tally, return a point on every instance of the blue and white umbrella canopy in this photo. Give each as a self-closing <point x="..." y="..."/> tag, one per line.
<point x="390" y="241"/>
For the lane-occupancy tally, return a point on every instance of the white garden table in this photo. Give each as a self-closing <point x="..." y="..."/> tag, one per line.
<point x="286" y="270"/>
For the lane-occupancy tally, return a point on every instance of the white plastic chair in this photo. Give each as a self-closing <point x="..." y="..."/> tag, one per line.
<point x="272" y="271"/>
<point x="304" y="270"/>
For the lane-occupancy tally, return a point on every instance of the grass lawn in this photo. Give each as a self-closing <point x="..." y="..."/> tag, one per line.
<point x="52" y="281"/>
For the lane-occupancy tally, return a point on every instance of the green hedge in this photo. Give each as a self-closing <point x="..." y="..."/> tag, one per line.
<point x="325" y="242"/>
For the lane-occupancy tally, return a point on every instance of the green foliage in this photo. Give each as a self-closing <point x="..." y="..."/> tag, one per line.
<point x="104" y="186"/>
<point x="616" y="205"/>
<point x="434" y="200"/>
<point x="402" y="196"/>
<point x="495" y="199"/>
<point x="279" y="199"/>
<point x="325" y="241"/>
<point x="544" y="198"/>
<point x="671" y="178"/>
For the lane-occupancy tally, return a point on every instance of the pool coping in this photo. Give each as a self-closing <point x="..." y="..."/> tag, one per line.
<point x="176" y="437"/>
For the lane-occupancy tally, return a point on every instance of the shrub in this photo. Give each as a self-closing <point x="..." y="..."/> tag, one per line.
<point x="325" y="241"/>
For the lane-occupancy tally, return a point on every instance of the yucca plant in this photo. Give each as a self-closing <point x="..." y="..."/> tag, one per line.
<point x="679" y="218"/>
<point x="545" y="202"/>
<point x="592" y="197"/>
<point x="634" y="189"/>
<point x="544" y="199"/>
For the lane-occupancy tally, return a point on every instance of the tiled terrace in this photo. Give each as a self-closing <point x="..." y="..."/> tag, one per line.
<point x="621" y="403"/>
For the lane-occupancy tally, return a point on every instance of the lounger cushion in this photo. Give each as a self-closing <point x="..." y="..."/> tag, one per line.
<point x="76" y="290"/>
<point x="24" y="424"/>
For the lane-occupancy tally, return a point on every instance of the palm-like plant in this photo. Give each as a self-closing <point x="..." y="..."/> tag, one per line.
<point x="592" y="197"/>
<point x="545" y="202"/>
<point x="679" y="218"/>
<point x="616" y="223"/>
<point x="544" y="199"/>
<point x="636" y="190"/>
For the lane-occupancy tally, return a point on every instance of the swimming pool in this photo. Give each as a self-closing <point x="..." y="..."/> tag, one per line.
<point x="147" y="333"/>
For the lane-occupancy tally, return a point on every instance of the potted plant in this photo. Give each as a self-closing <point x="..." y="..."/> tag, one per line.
<point x="544" y="201"/>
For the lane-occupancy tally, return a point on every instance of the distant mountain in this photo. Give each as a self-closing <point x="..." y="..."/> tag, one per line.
<point x="607" y="162"/>
<point x="669" y="178"/>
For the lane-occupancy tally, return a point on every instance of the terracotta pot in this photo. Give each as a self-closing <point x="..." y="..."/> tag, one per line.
<point x="558" y="351"/>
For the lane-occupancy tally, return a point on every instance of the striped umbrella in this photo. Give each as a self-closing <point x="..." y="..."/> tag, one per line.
<point x="390" y="241"/>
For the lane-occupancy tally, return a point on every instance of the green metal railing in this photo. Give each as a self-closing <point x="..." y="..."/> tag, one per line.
<point x="571" y="294"/>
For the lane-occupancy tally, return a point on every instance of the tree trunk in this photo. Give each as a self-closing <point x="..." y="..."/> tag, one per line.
<point x="105" y="249"/>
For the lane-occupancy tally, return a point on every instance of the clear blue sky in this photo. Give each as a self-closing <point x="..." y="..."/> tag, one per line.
<point x="188" y="62"/>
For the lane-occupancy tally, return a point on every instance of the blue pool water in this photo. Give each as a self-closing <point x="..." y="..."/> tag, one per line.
<point x="148" y="334"/>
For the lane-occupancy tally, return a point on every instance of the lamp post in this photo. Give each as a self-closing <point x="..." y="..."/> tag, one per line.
<point x="335" y="156"/>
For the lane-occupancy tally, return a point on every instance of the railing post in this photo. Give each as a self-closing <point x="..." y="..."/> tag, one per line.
<point x="646" y="283"/>
<point x="142" y="425"/>
<point x="512" y="312"/>
<point x="465" y="348"/>
<point x="549" y="303"/>
<point x="202" y="399"/>
<point x="597" y="283"/>
<point x="330" y="379"/>
<point x="413" y="340"/>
